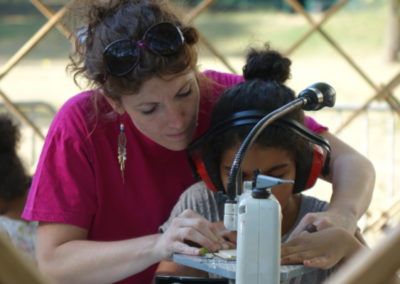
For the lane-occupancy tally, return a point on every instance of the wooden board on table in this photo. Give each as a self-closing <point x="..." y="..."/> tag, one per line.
<point x="227" y="254"/>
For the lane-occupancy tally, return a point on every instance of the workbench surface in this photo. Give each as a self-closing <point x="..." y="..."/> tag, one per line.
<point x="226" y="268"/>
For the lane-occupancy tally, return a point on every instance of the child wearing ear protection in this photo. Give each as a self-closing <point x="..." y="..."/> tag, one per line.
<point x="285" y="149"/>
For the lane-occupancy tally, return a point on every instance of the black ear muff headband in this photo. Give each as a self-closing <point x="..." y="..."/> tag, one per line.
<point x="307" y="171"/>
<point x="246" y="117"/>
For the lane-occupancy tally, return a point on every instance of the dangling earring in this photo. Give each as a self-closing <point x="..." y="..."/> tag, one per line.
<point x="122" y="150"/>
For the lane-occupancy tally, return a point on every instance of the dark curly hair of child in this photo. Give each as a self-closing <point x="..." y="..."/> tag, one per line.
<point x="14" y="181"/>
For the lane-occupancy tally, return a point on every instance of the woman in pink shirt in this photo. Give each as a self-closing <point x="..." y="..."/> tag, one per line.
<point x="114" y="160"/>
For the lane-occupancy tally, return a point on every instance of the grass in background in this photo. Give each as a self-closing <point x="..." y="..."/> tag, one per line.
<point x="358" y="27"/>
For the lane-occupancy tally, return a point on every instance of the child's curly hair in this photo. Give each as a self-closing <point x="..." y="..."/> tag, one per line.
<point x="14" y="182"/>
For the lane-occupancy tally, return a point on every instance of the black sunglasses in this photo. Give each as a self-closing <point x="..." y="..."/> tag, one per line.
<point x="121" y="56"/>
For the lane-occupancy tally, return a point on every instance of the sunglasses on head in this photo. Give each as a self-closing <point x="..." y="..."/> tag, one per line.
<point x="121" y="56"/>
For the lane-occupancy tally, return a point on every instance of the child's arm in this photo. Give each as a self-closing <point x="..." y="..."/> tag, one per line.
<point x="322" y="249"/>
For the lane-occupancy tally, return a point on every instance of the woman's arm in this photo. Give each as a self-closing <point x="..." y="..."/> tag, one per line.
<point x="353" y="177"/>
<point x="353" y="180"/>
<point x="66" y="256"/>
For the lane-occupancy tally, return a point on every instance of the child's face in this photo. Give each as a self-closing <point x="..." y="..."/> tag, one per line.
<point x="271" y="161"/>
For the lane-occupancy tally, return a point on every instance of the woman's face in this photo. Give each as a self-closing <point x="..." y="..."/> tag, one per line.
<point x="270" y="161"/>
<point x="165" y="109"/>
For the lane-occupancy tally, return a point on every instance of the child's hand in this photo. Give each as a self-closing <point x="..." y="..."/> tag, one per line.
<point x="229" y="236"/>
<point x="323" y="220"/>
<point x="322" y="249"/>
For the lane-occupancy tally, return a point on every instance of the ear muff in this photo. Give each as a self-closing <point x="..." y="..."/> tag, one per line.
<point x="310" y="168"/>
<point x="314" y="163"/>
<point x="200" y="172"/>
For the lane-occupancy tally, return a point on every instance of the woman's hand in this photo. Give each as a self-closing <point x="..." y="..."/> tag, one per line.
<point x="189" y="226"/>
<point x="324" y="220"/>
<point x="322" y="249"/>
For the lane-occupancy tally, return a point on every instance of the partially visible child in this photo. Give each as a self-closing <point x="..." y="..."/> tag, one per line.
<point x="14" y="186"/>
<point x="279" y="152"/>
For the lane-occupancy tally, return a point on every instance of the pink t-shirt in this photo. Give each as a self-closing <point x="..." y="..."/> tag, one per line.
<point x="78" y="179"/>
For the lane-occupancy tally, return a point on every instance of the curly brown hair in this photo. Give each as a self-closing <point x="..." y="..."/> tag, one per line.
<point x="108" y="21"/>
<point x="14" y="181"/>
